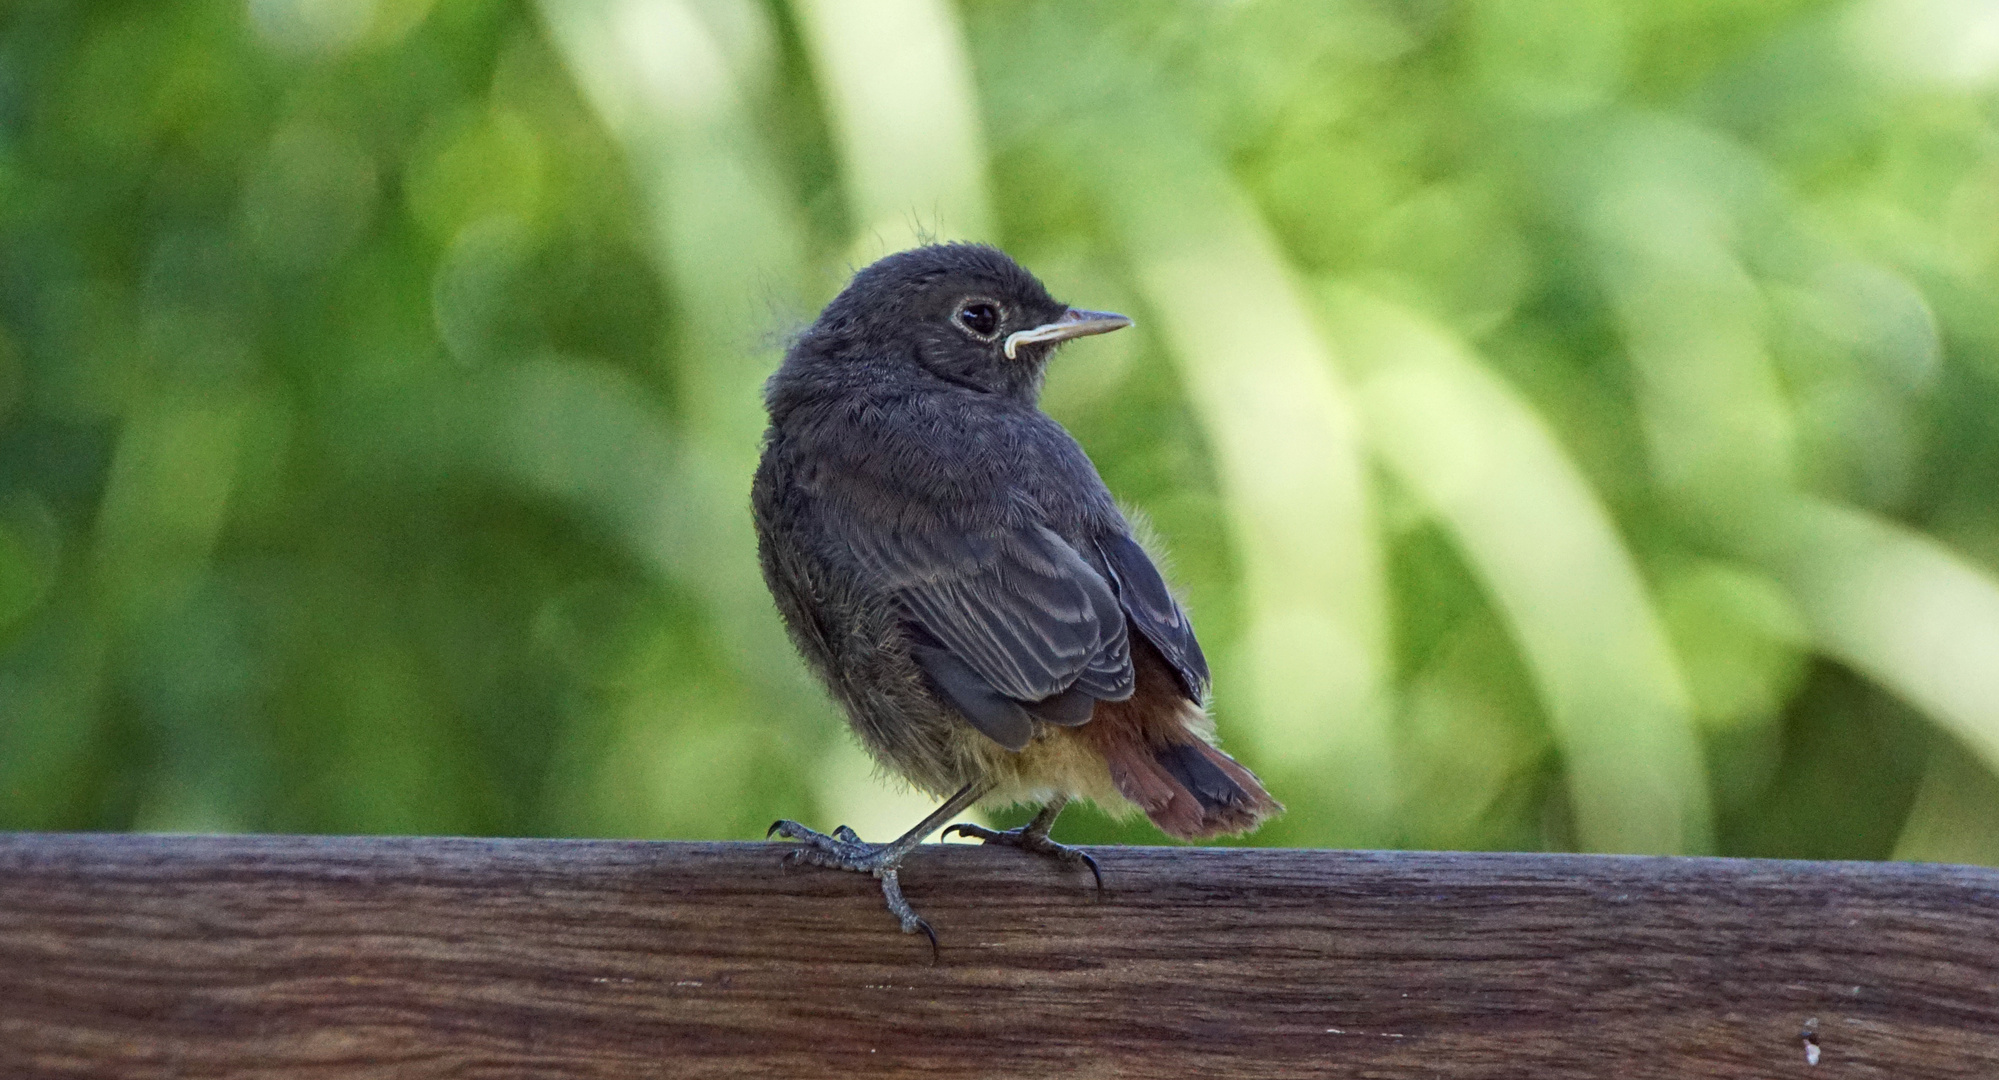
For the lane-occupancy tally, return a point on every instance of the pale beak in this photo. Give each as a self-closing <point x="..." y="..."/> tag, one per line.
<point x="1072" y="324"/>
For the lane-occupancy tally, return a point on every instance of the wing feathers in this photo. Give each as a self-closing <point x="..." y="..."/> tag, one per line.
<point x="1003" y="720"/>
<point x="1154" y="612"/>
<point x="1017" y="624"/>
<point x="1020" y="608"/>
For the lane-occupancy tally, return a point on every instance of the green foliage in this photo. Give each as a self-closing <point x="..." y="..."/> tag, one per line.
<point x="1572" y="425"/>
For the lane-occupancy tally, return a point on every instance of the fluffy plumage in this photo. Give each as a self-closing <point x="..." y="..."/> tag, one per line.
<point x="949" y="562"/>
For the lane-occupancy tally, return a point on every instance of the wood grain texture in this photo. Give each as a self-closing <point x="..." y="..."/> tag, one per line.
<point x="146" y="956"/>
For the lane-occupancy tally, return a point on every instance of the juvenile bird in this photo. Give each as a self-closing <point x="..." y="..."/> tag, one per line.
<point x="951" y="565"/>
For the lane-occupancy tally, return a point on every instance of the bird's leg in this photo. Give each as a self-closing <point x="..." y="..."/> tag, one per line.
<point x="1033" y="836"/>
<point x="846" y="851"/>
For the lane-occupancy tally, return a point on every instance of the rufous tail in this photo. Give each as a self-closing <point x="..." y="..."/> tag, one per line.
<point x="1158" y="759"/>
<point x="1189" y="789"/>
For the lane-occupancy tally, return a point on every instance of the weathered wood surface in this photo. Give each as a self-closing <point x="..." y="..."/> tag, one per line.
<point x="135" y="956"/>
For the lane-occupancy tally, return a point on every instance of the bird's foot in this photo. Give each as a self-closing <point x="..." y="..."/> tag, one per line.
<point x="844" y="850"/>
<point x="1027" y="839"/>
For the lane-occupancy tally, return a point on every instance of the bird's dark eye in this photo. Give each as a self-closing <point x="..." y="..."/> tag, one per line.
<point x="981" y="317"/>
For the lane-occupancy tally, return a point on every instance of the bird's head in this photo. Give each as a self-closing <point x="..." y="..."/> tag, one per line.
<point x="964" y="313"/>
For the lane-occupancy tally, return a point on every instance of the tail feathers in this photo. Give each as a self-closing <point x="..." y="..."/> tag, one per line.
<point x="1191" y="790"/>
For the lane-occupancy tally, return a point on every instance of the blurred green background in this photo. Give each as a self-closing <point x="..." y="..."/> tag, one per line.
<point x="1574" y="423"/>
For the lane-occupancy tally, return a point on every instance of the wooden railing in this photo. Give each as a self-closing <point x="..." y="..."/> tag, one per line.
<point x="158" y="956"/>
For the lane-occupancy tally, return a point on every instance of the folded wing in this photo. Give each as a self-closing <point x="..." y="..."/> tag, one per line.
<point x="1145" y="597"/>
<point x="1009" y="625"/>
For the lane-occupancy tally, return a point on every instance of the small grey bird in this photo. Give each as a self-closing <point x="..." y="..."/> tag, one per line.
<point x="951" y="565"/>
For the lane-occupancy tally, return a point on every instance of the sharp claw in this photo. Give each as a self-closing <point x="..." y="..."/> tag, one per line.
<point x="1035" y="842"/>
<point x="1091" y="862"/>
<point x="772" y="831"/>
<point x="844" y="850"/>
